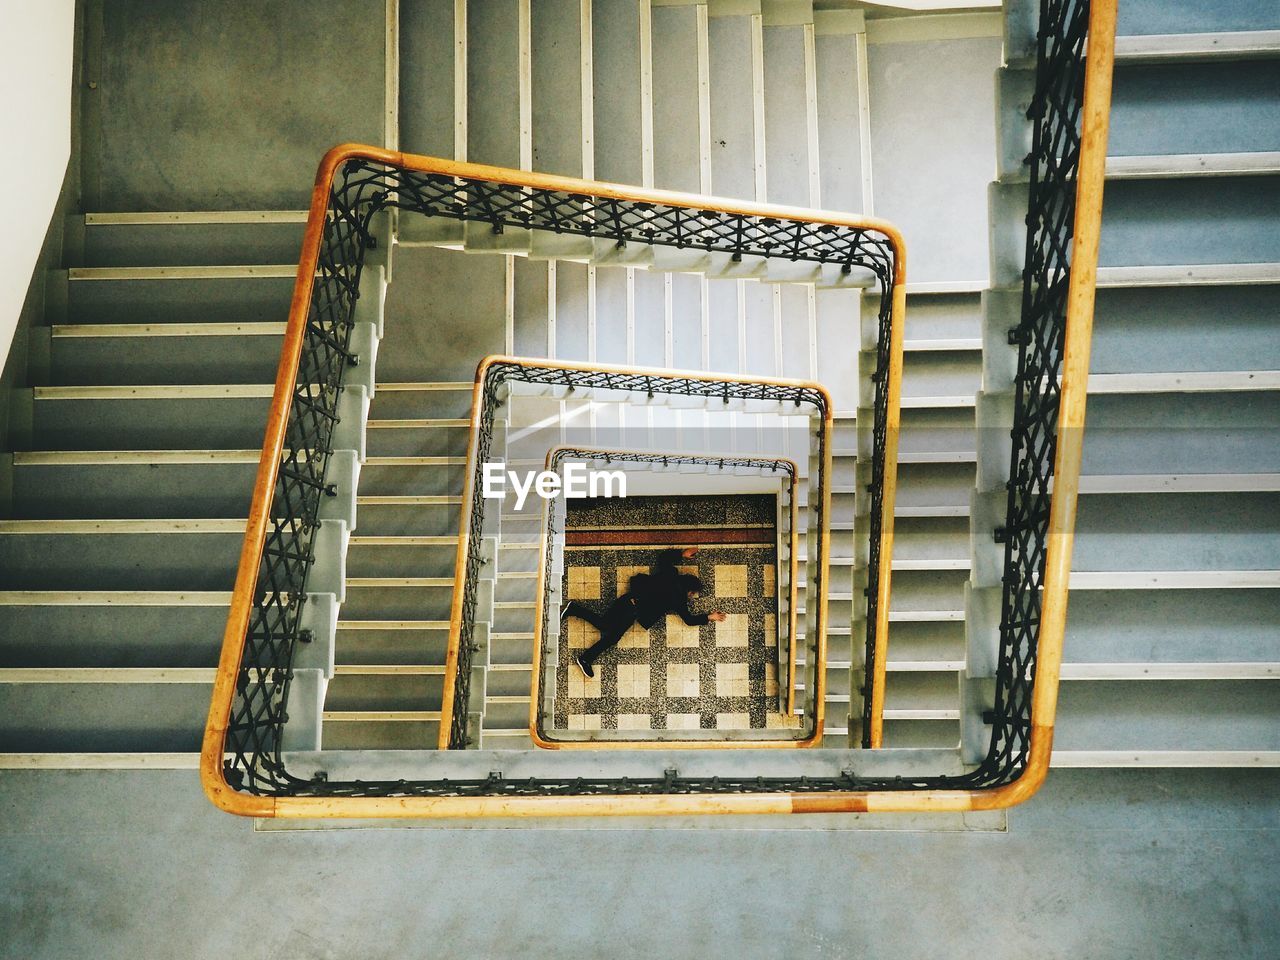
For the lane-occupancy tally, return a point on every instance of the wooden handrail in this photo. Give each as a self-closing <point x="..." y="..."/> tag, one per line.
<point x="536" y="735"/>
<point x="453" y="652"/>
<point x="1087" y="223"/>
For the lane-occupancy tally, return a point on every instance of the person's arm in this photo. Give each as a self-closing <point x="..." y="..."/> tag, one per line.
<point x="693" y="619"/>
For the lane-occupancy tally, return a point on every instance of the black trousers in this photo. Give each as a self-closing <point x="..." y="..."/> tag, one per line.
<point x="612" y="624"/>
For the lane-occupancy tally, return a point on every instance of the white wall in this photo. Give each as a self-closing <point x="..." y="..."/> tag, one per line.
<point x="36" y="42"/>
<point x="933" y="138"/>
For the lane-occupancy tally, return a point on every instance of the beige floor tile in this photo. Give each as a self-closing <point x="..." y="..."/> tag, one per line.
<point x="633" y="680"/>
<point x="584" y="583"/>
<point x="682" y="680"/>
<point x="731" y="580"/>
<point x="732" y="680"/>
<point x="732" y="631"/>
<point x="680" y="634"/>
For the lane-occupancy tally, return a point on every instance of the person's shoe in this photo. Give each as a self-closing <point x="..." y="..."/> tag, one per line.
<point x="564" y="608"/>
<point x="587" y="670"/>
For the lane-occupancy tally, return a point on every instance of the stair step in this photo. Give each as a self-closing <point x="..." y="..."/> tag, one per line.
<point x="150" y="416"/>
<point x="397" y="598"/>
<point x="1170" y="671"/>
<point x="53" y="484"/>
<point x="1173" y="165"/>
<point x="1178" y="275"/>
<point x="1180" y="483"/>
<point x="1168" y="715"/>
<point x="246" y="271"/>
<point x="1192" y="382"/>
<point x="417" y="437"/>
<point x="390" y="556"/>
<point x="1176" y="580"/>
<point x="381" y="688"/>
<point x="1190" y="47"/>
<point x="119" y="554"/>
<point x="175" y="353"/>
<point x="395" y="643"/>
<point x="112" y="715"/>
<point x="192" y="237"/>
<point x="422" y="400"/>
<point x="379" y="729"/>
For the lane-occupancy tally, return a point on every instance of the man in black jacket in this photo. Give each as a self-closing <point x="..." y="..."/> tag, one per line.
<point x="649" y="597"/>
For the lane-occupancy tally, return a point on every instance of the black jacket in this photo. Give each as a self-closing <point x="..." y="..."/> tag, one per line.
<point x="658" y="593"/>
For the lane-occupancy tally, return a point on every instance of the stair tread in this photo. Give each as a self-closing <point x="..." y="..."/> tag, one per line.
<point x="46" y="527"/>
<point x="269" y="271"/>
<point x="1174" y="579"/>
<point x="1161" y="166"/>
<point x="209" y="329"/>
<point x="193" y="391"/>
<point x="1226" y="45"/>
<point x="1179" y="483"/>
<point x="42" y="458"/>
<point x="192" y="675"/>
<point x="1151" y="670"/>
<point x="212" y="598"/>
<point x="1199" y="274"/>
<point x="152" y="218"/>
<point x="1184" y="382"/>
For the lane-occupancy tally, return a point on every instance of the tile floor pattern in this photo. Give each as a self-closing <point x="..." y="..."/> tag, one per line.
<point x="721" y="676"/>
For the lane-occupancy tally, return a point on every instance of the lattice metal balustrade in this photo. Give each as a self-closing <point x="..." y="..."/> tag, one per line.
<point x="368" y="183"/>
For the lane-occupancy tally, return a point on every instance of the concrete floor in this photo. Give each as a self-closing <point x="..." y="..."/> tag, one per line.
<point x="1122" y="864"/>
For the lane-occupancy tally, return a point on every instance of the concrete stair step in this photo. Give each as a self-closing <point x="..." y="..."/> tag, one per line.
<point x="173" y="353"/>
<point x="380" y="730"/>
<point x="362" y="687"/>
<point x="104" y="711"/>
<point x="397" y="598"/>
<point x="428" y="437"/>
<point x="104" y="629"/>
<point x="1200" y="105"/>
<point x="1198" y="47"/>
<point x="119" y="554"/>
<point x="150" y="416"/>
<point x="431" y="401"/>
<point x="241" y="293"/>
<point x="1163" y="329"/>
<point x="66" y="484"/>
<point x="427" y="556"/>
<point x="1175" y="165"/>
<point x="190" y="237"/>
<point x="1178" y="531"/>
<point x="391" y="516"/>
<point x="412" y="476"/>
<point x="1168" y="715"/>
<point x="393" y="642"/>
<point x="1193" y="624"/>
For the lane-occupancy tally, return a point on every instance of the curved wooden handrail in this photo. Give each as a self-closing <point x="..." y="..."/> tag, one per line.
<point x="1089" y="183"/>
<point x="455" y="616"/>
<point x="536" y="735"/>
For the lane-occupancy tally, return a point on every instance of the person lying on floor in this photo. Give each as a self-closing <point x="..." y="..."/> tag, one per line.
<point x="649" y="597"/>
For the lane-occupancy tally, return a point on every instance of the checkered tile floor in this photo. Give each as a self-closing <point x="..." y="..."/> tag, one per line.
<point x="720" y="676"/>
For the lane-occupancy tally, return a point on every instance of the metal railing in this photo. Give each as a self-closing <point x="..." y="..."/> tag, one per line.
<point x="492" y="374"/>
<point x="241" y="765"/>
<point x="545" y="596"/>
